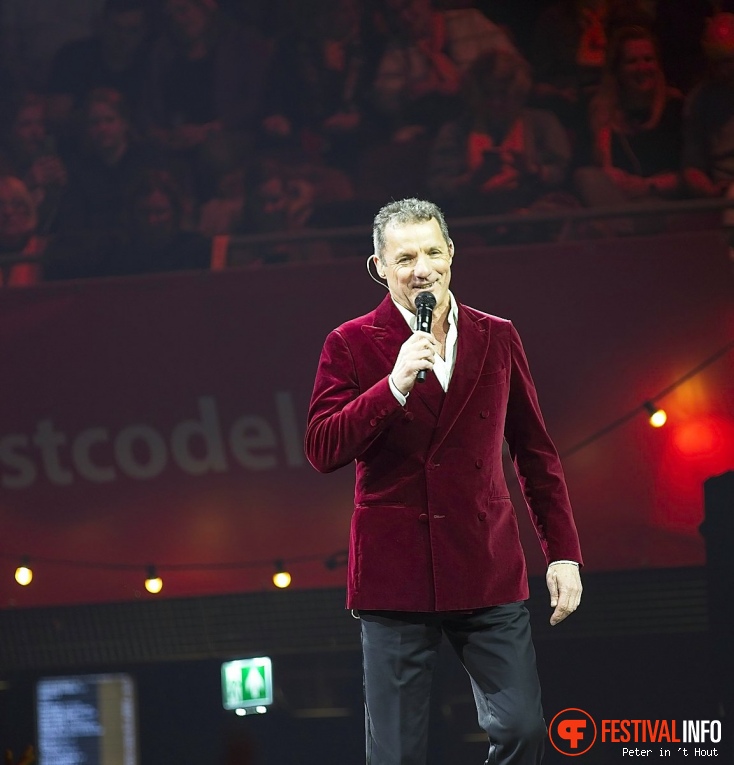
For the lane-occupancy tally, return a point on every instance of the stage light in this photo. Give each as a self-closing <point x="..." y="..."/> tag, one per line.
<point x="658" y="417"/>
<point x="153" y="583"/>
<point x="24" y="573"/>
<point x="281" y="578"/>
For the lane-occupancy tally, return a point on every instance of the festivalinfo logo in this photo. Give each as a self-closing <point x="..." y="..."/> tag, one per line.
<point x="573" y="732"/>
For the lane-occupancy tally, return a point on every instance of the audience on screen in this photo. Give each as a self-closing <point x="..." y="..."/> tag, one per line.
<point x="708" y="150"/>
<point x="20" y="243"/>
<point x="115" y="56"/>
<point x="30" y="151"/>
<point x="284" y="116"/>
<point x="499" y="156"/>
<point x="636" y="126"/>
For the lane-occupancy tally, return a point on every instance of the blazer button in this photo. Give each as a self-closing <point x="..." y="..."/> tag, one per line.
<point x="479" y="463"/>
<point x="482" y="516"/>
<point x="384" y="412"/>
<point x="484" y="414"/>
<point x="373" y="422"/>
<point x="409" y="416"/>
<point x="423" y="517"/>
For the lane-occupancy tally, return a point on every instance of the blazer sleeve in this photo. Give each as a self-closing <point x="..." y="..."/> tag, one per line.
<point x="344" y="420"/>
<point x="537" y="463"/>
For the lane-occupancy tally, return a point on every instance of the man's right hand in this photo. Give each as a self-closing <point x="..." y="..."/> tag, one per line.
<point x="417" y="352"/>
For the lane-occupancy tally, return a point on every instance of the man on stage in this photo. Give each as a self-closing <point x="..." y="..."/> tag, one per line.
<point x="434" y="546"/>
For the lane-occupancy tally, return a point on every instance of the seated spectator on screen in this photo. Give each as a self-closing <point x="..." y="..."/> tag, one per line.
<point x="427" y="51"/>
<point x="425" y="55"/>
<point x="107" y="161"/>
<point x="679" y="27"/>
<point x="157" y="212"/>
<point x="30" y="152"/>
<point x="115" y="57"/>
<point x="499" y="155"/>
<point x="225" y="213"/>
<point x="204" y="90"/>
<point x="18" y="235"/>
<point x="636" y="126"/>
<point x="316" y="89"/>
<point x="288" y="193"/>
<point x="568" y="51"/>
<point x="153" y="237"/>
<point x="708" y="152"/>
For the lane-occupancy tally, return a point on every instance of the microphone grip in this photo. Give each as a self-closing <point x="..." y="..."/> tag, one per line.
<point x="424" y="318"/>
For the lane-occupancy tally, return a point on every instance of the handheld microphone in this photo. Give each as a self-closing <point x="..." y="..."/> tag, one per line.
<point x="425" y="302"/>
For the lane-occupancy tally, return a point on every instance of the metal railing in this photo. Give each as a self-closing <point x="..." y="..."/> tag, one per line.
<point x="556" y="225"/>
<point x="566" y="217"/>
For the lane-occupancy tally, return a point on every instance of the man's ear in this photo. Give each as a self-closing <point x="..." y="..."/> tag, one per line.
<point x="379" y="266"/>
<point x="451" y="250"/>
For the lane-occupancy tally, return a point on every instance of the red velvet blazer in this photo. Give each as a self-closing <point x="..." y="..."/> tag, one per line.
<point x="433" y="527"/>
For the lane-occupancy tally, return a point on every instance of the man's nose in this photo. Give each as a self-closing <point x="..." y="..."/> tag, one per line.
<point x="423" y="265"/>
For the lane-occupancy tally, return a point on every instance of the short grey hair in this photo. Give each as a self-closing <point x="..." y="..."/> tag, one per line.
<point x="402" y="212"/>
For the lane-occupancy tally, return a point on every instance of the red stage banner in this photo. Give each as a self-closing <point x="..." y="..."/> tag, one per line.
<point x="159" y="420"/>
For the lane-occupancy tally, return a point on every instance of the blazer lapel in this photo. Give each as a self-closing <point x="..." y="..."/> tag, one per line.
<point x="389" y="330"/>
<point x="471" y="351"/>
<point x="388" y="333"/>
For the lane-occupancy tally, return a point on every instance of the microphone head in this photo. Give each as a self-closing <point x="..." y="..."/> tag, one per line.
<point x="425" y="300"/>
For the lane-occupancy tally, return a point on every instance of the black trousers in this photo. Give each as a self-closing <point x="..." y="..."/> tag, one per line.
<point x="399" y="651"/>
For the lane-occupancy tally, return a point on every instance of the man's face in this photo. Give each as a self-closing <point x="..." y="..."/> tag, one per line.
<point x="155" y="218"/>
<point x="106" y="129"/>
<point x="639" y="68"/>
<point x="30" y="127"/>
<point x="16" y="217"/>
<point x="414" y="17"/>
<point x="417" y="259"/>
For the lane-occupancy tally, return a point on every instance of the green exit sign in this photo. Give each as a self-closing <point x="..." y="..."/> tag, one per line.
<point x="247" y="683"/>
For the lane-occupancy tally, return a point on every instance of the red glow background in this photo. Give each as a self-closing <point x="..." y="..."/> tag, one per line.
<point x="606" y="325"/>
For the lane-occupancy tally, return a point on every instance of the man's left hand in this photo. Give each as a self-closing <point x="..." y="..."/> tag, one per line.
<point x="564" y="585"/>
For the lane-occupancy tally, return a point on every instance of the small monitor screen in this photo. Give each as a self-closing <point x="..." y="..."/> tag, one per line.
<point x="86" y="720"/>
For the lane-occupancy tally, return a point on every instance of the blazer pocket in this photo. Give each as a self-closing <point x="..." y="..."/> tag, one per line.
<point x="492" y="378"/>
<point x="377" y="503"/>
